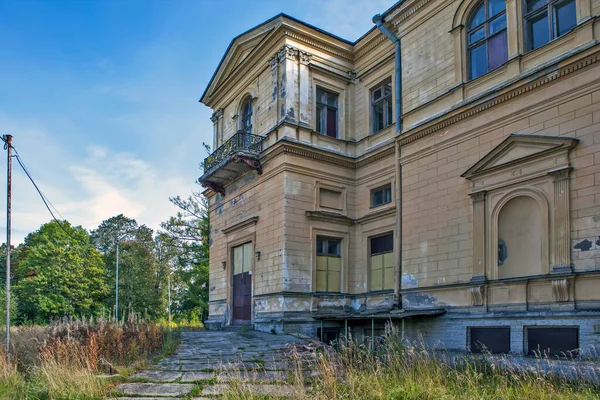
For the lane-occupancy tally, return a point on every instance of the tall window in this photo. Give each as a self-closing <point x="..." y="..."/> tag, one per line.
<point x="546" y="20"/>
<point x="487" y="44"/>
<point x="329" y="264"/>
<point x="246" y="122"/>
<point x="381" y="106"/>
<point x="382" y="262"/>
<point x="327" y="113"/>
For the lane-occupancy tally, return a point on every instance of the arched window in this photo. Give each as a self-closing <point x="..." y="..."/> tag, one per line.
<point x="520" y="238"/>
<point x="487" y="44"/>
<point x="246" y="121"/>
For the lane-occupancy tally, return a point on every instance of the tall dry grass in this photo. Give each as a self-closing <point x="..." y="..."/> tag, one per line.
<point x="398" y="369"/>
<point x="64" y="360"/>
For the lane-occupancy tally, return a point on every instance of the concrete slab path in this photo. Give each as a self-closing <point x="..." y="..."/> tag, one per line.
<point x="209" y="363"/>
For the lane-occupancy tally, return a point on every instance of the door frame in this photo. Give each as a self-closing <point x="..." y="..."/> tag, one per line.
<point x="238" y="241"/>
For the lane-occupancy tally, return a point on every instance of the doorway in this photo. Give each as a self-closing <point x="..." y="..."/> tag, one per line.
<point x="242" y="284"/>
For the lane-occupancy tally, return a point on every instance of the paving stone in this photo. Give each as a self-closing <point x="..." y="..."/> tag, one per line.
<point x="217" y="389"/>
<point x="154" y="389"/>
<point x="158" y="376"/>
<point x="261" y="390"/>
<point x="197" y="376"/>
<point x="253" y="376"/>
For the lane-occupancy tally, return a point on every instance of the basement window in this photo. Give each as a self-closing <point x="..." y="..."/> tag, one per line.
<point x="495" y="340"/>
<point x="562" y="342"/>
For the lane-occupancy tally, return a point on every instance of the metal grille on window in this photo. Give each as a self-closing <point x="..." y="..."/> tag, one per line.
<point x="546" y="20"/>
<point x="382" y="263"/>
<point x="381" y="106"/>
<point x="246" y="122"/>
<point x="327" y="113"/>
<point x="328" y="265"/>
<point x="487" y="44"/>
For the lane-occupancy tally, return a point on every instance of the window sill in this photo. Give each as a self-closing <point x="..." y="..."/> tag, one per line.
<point x="383" y="129"/>
<point x="379" y="206"/>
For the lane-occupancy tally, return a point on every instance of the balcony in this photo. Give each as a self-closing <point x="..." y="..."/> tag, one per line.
<point x="237" y="155"/>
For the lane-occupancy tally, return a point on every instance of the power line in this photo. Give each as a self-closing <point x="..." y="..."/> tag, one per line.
<point x="47" y="202"/>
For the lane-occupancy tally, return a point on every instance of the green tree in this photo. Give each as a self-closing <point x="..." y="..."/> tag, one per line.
<point x="189" y="233"/>
<point x="138" y="254"/>
<point x="139" y="290"/>
<point x="59" y="274"/>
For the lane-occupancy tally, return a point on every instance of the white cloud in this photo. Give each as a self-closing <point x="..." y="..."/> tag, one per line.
<point x="86" y="186"/>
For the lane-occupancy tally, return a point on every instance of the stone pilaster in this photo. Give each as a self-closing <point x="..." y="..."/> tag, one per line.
<point x="217" y="130"/>
<point x="479" y="267"/>
<point x="561" y="229"/>
<point x="303" y="88"/>
<point x="288" y="83"/>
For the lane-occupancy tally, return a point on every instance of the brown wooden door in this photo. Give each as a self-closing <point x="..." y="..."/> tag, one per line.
<point x="242" y="284"/>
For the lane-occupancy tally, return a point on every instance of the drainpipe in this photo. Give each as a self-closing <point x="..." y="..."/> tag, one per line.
<point x="378" y="21"/>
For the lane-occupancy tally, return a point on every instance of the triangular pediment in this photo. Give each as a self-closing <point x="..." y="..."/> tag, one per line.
<point x="518" y="148"/>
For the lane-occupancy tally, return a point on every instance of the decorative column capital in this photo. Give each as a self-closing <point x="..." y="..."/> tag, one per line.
<point x="287" y="53"/>
<point x="304" y="57"/>
<point x="560" y="174"/>
<point x="216" y="115"/>
<point x="352" y="75"/>
<point x="274" y="62"/>
<point x="478" y="196"/>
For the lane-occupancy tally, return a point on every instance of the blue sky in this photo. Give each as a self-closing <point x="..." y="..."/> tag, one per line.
<point x="101" y="97"/>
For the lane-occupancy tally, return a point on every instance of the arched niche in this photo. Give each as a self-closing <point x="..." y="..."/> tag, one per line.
<point x="521" y="231"/>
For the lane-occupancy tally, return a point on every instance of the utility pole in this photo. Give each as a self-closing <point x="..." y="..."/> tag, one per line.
<point x="8" y="145"/>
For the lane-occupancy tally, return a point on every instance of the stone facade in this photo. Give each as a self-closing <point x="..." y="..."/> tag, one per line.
<point x="490" y="187"/>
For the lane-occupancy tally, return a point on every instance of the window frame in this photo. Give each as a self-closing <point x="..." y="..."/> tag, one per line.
<point x="486" y="39"/>
<point x="370" y="256"/>
<point x="386" y="101"/>
<point x="327" y="107"/>
<point x="377" y="189"/>
<point x="550" y="8"/>
<point x="318" y="253"/>
<point x="246" y="117"/>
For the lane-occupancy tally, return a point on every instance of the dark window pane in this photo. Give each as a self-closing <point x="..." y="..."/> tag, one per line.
<point x="389" y="113"/>
<point x="377" y="198"/>
<point x="498" y="50"/>
<point x="320" y="246"/>
<point x="477" y="35"/>
<point x="387" y="89"/>
<point x="320" y="119"/>
<point x="535" y="4"/>
<point x="495" y="7"/>
<point x="539" y="32"/>
<point x="332" y="99"/>
<point x="321" y="96"/>
<point x="382" y="244"/>
<point x="387" y="194"/>
<point x="377" y="94"/>
<point x="333" y="247"/>
<point x="381" y="196"/>
<point x="478" y="17"/>
<point x="498" y="24"/>
<point x="566" y="17"/>
<point x="331" y="122"/>
<point x="478" y="61"/>
<point x="377" y="117"/>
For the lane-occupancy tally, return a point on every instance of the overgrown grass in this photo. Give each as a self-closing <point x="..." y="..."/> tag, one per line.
<point x="71" y="359"/>
<point x="401" y="370"/>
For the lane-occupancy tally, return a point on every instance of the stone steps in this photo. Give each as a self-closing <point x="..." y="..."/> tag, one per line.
<point x="209" y="365"/>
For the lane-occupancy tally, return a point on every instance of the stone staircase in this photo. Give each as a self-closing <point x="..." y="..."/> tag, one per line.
<point x="208" y="364"/>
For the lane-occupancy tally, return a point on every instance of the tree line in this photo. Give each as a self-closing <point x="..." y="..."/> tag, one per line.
<point x="64" y="270"/>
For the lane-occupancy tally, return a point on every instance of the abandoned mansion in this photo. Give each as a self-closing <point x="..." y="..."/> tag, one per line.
<point x="441" y="173"/>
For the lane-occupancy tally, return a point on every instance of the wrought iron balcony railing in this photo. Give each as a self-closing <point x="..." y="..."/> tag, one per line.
<point x="239" y="143"/>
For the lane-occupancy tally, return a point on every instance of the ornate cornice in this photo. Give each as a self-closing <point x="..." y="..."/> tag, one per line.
<point x="340" y="53"/>
<point x="499" y="99"/>
<point x="376" y="42"/>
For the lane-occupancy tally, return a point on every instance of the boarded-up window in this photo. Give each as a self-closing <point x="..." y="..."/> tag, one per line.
<point x="490" y="339"/>
<point x="330" y="199"/>
<point x="382" y="262"/>
<point x="520" y="238"/>
<point x="329" y="263"/>
<point x="553" y="341"/>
